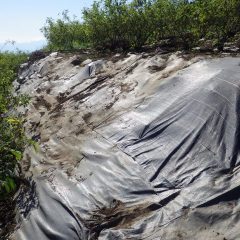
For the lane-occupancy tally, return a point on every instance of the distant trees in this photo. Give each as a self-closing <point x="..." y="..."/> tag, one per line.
<point x="122" y="24"/>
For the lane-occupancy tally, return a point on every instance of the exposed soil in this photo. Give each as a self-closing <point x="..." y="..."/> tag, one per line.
<point x="118" y="216"/>
<point x="7" y="217"/>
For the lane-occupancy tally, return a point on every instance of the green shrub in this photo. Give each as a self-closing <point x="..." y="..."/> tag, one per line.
<point x="64" y="33"/>
<point x="112" y="24"/>
<point x="107" y="24"/>
<point x="12" y="137"/>
<point x="217" y="19"/>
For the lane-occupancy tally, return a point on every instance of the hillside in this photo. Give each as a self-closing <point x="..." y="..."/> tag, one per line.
<point x="124" y="124"/>
<point x="131" y="146"/>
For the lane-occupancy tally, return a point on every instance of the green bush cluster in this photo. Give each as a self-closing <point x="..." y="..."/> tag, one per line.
<point x="65" y="33"/>
<point x="12" y="137"/>
<point x="112" y="24"/>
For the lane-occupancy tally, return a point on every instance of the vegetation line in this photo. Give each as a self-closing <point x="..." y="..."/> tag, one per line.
<point x="12" y="137"/>
<point x="121" y="24"/>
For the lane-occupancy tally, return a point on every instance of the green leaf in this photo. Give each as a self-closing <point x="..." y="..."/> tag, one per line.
<point x="13" y="121"/>
<point x="11" y="184"/>
<point x="7" y="187"/>
<point x="17" y="154"/>
<point x="34" y="144"/>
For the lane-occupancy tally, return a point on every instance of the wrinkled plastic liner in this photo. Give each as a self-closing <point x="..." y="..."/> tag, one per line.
<point x="167" y="168"/>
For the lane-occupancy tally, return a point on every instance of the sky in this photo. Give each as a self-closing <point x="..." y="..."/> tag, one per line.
<point x="21" y="20"/>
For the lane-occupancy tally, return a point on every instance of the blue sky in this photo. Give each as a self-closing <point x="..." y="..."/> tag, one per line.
<point x="21" y="20"/>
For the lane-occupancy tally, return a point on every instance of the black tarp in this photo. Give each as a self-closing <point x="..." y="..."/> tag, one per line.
<point x="167" y="168"/>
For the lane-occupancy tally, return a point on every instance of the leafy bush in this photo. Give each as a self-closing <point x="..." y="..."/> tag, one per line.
<point x="107" y="24"/>
<point x="216" y="19"/>
<point x="12" y="140"/>
<point x="123" y="24"/>
<point x="64" y="33"/>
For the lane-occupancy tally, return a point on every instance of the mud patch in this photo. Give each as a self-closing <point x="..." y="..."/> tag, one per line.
<point x="117" y="216"/>
<point x="87" y="117"/>
<point x="40" y="101"/>
<point x="7" y="217"/>
<point x="131" y="68"/>
<point x="76" y="61"/>
<point x="127" y="87"/>
<point x="56" y="112"/>
<point x="156" y="68"/>
<point x="25" y="200"/>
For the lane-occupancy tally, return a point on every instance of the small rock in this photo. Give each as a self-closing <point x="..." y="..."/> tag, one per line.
<point x="145" y="55"/>
<point x="231" y="49"/>
<point x="54" y="54"/>
<point x="229" y="44"/>
<point x="24" y="65"/>
<point x="20" y="79"/>
<point x="59" y="58"/>
<point x="86" y="62"/>
<point x="196" y="49"/>
<point x="206" y="45"/>
<point x="236" y="39"/>
<point x="43" y="69"/>
<point x="226" y="54"/>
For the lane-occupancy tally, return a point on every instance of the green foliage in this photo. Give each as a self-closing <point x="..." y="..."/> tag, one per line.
<point x="64" y="33"/>
<point x="125" y="24"/>
<point x="217" y="19"/>
<point x="107" y="24"/>
<point x="12" y="137"/>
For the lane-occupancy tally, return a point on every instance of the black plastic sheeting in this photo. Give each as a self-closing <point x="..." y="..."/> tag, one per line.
<point x="166" y="169"/>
